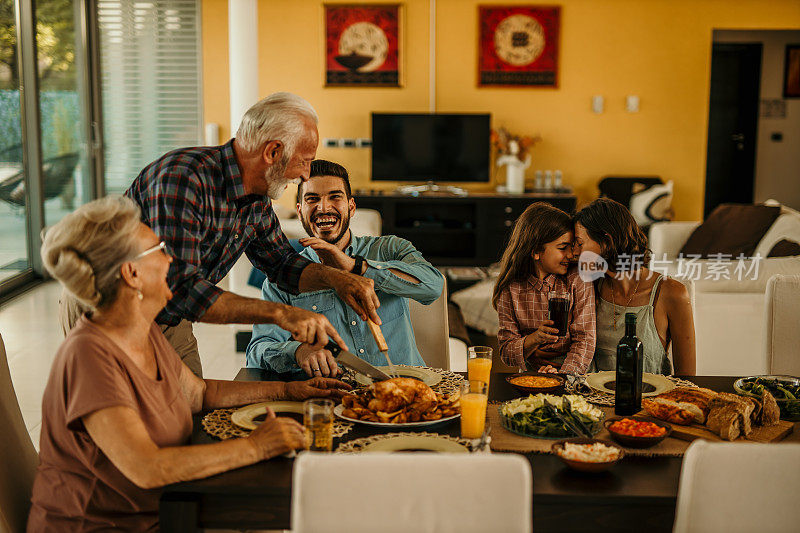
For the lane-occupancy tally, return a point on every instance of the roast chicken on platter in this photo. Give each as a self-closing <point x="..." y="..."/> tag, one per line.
<point x="399" y="400"/>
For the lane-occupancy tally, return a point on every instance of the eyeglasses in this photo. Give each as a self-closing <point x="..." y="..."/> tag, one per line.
<point x="157" y="247"/>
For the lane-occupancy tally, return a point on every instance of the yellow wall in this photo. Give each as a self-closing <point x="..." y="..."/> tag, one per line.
<point x="659" y="50"/>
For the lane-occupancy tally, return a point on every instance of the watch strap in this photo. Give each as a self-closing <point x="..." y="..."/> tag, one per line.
<point x="359" y="264"/>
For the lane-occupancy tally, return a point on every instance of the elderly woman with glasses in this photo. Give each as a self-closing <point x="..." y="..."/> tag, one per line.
<point x="117" y="409"/>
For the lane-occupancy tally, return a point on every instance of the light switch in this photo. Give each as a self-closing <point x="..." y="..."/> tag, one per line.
<point x="632" y="103"/>
<point x="597" y="104"/>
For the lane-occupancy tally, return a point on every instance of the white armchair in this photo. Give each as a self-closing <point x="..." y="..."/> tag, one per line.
<point x="781" y="318"/>
<point x="728" y="314"/>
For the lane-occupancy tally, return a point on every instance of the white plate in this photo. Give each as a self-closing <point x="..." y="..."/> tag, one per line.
<point x="340" y="408"/>
<point x="243" y="417"/>
<point x="598" y="381"/>
<point x="399" y="443"/>
<point x="428" y="377"/>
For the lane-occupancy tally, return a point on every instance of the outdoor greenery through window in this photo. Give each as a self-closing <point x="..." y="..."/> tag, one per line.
<point x="150" y="68"/>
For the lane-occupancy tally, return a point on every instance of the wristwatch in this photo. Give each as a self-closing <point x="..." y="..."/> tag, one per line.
<point x="359" y="264"/>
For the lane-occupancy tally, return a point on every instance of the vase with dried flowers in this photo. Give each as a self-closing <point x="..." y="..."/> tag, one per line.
<point x="513" y="152"/>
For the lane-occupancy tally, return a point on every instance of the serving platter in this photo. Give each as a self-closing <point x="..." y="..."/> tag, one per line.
<point x="601" y="382"/>
<point x="244" y="417"/>
<point x="428" y="443"/>
<point x="339" y="409"/>
<point x="425" y="375"/>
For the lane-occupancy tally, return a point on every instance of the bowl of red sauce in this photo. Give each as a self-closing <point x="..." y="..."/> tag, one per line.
<point x="637" y="432"/>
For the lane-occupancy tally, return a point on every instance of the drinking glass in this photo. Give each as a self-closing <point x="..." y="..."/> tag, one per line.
<point x="558" y="303"/>
<point x="479" y="363"/>
<point x="474" y="399"/>
<point x="318" y="423"/>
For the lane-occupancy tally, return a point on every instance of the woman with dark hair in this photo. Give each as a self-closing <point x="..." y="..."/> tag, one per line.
<point x="662" y="305"/>
<point x="536" y="262"/>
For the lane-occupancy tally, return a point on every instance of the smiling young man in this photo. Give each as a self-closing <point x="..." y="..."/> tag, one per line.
<point x="325" y="206"/>
<point x="210" y="204"/>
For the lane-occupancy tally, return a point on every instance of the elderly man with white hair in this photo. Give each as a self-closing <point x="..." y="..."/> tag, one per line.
<point x="211" y="204"/>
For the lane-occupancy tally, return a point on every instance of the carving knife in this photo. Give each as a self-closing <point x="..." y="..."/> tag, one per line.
<point x="382" y="345"/>
<point x="349" y="360"/>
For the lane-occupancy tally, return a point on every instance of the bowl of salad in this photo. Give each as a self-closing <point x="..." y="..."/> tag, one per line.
<point x="534" y="416"/>
<point x="785" y="390"/>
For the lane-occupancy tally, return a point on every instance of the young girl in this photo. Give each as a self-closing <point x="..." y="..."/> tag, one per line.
<point x="536" y="262"/>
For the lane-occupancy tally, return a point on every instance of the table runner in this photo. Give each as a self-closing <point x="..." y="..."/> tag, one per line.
<point x="506" y="441"/>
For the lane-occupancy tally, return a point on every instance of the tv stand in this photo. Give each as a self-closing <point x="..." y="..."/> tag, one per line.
<point x="416" y="190"/>
<point x="455" y="230"/>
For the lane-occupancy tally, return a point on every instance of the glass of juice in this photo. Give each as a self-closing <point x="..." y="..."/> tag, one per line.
<point x="318" y="423"/>
<point x="479" y="363"/>
<point x="558" y="310"/>
<point x="474" y="396"/>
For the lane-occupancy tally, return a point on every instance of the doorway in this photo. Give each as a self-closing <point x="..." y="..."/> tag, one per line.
<point x="732" y="124"/>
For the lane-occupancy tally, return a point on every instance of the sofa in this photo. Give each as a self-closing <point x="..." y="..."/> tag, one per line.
<point x="729" y="314"/>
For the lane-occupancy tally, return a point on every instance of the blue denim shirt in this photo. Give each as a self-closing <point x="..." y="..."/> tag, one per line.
<point x="273" y="349"/>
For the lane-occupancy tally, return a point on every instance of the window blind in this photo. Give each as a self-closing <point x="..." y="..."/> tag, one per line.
<point x="150" y="81"/>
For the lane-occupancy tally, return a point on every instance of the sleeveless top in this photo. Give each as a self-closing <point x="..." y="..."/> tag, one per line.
<point x="656" y="360"/>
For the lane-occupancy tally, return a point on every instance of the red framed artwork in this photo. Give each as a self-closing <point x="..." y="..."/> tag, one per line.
<point x="518" y="46"/>
<point x="362" y="45"/>
<point x="791" y="72"/>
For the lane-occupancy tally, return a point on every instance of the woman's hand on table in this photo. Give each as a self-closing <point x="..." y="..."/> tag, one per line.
<point x="276" y="436"/>
<point x="316" y="388"/>
<point x="548" y="369"/>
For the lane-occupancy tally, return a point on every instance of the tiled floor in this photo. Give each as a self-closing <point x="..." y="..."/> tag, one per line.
<point x="30" y="331"/>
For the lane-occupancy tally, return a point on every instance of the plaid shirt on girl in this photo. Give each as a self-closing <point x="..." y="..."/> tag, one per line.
<point x="522" y="307"/>
<point x="194" y="200"/>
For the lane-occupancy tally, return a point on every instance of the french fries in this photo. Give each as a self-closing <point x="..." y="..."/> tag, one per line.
<point x="356" y="405"/>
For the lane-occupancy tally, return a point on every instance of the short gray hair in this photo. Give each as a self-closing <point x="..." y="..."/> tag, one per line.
<point x="85" y="250"/>
<point x="278" y="117"/>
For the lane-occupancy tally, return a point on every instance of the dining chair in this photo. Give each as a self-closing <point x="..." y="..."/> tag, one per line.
<point x="19" y="458"/>
<point x="738" y="487"/>
<point x="782" y="336"/>
<point x="420" y="492"/>
<point x="432" y="331"/>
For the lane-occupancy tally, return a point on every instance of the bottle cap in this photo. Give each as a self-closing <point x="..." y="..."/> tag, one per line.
<point x="630" y="318"/>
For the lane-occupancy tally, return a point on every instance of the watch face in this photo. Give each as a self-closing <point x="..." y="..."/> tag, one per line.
<point x="519" y="40"/>
<point x="366" y="40"/>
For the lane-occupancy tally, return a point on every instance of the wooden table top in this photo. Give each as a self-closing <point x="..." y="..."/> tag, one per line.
<point x="560" y="495"/>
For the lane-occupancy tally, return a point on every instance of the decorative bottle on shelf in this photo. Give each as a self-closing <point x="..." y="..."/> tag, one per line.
<point x="630" y="358"/>
<point x="538" y="182"/>
<point x="548" y="179"/>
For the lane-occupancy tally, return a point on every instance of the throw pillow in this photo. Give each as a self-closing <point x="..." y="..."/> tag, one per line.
<point x="785" y="248"/>
<point x="652" y="205"/>
<point x="731" y="229"/>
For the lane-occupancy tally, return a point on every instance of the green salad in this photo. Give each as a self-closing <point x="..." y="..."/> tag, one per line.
<point x="529" y="416"/>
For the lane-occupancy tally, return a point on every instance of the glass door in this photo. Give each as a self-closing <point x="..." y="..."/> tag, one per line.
<point x="13" y="216"/>
<point x="64" y="119"/>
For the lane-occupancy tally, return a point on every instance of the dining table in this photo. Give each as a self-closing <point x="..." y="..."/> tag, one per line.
<point x="637" y="494"/>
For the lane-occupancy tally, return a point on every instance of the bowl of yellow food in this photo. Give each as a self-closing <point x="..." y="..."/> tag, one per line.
<point x="536" y="382"/>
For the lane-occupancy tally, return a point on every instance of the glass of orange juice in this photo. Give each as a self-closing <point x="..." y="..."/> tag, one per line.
<point x="474" y="396"/>
<point x="479" y="363"/>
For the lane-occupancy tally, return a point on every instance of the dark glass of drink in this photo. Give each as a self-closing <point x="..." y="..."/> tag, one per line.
<point x="558" y="308"/>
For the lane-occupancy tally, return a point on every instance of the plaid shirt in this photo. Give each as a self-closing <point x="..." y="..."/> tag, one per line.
<point x="522" y="307"/>
<point x="194" y="200"/>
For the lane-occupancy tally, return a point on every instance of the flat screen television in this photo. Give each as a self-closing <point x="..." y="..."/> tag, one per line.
<point x="430" y="147"/>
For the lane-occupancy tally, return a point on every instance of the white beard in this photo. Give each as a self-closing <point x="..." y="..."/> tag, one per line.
<point x="276" y="180"/>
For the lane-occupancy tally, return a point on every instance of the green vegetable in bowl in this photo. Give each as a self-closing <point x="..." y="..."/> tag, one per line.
<point x="529" y="416"/>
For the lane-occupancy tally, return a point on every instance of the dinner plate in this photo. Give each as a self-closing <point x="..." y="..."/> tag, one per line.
<point x="425" y="443"/>
<point x="425" y="375"/>
<point x="340" y="408"/>
<point x="599" y="381"/>
<point x="243" y="417"/>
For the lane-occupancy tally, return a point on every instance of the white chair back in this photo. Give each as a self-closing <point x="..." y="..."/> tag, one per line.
<point x="420" y="492"/>
<point x="781" y="319"/>
<point x="19" y="458"/>
<point x="431" y="330"/>
<point x="738" y="487"/>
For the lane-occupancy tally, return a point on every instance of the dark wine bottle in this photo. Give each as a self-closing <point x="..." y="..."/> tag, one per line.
<point x="630" y="359"/>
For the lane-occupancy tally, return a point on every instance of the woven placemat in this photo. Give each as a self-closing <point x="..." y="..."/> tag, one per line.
<point x="603" y="398"/>
<point x="506" y="441"/>
<point x="218" y="424"/>
<point x="358" y="445"/>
